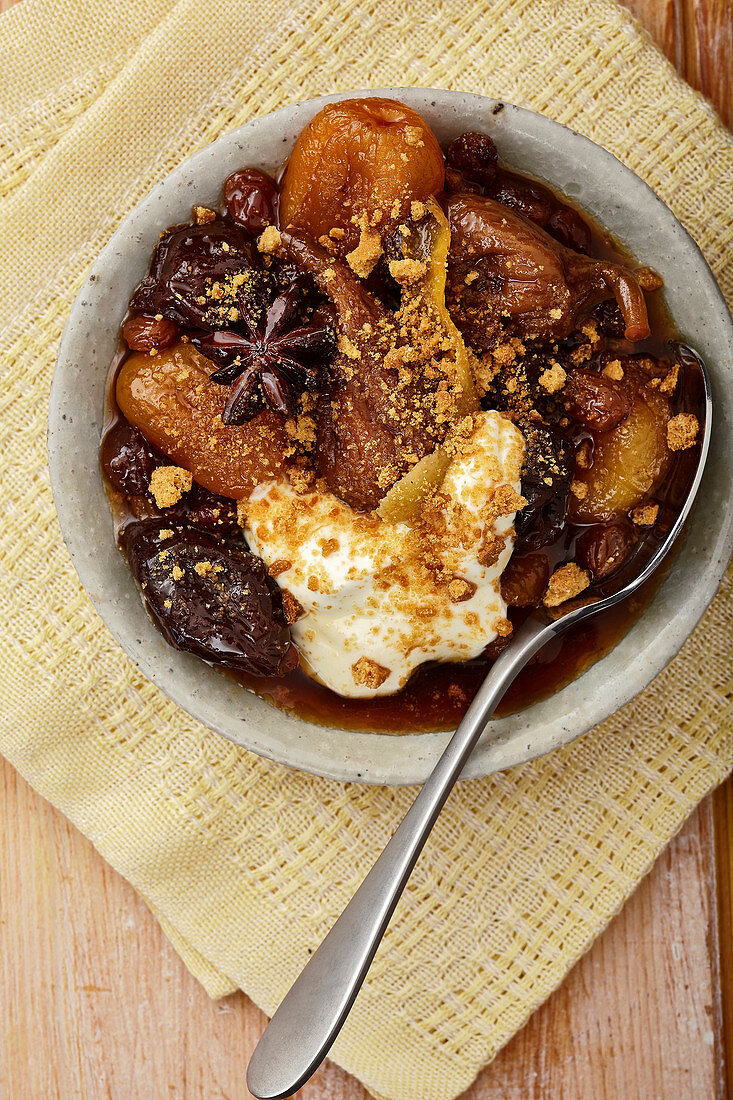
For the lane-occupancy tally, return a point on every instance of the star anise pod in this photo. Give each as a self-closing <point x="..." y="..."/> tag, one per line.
<point x="269" y="361"/>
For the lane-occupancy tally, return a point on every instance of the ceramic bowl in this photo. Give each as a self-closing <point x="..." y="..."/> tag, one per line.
<point x="530" y="143"/>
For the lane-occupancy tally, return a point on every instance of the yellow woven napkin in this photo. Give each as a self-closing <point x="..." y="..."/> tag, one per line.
<point x="245" y="863"/>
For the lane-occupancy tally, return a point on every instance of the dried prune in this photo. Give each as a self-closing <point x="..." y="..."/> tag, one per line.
<point x="197" y="273"/>
<point x="203" y="508"/>
<point x="604" y="547"/>
<point x="524" y="580"/>
<point x="213" y="600"/>
<point x="149" y="333"/>
<point x="474" y="156"/>
<point x="546" y="475"/>
<point x="596" y="402"/>
<point x="127" y="459"/>
<point x="251" y="199"/>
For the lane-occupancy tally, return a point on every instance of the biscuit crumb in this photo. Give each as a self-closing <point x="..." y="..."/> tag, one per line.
<point x="584" y="455"/>
<point x="293" y="608"/>
<point x="168" y="484"/>
<point x="668" y="384"/>
<point x="579" y="489"/>
<point x="362" y="259"/>
<point x="553" y="379"/>
<point x="460" y="590"/>
<point x="407" y="272"/>
<point x="565" y="583"/>
<point x="614" y="370"/>
<point x="503" y="627"/>
<point x="417" y="210"/>
<point x="203" y="214"/>
<point x="278" y="567"/>
<point x="645" y="515"/>
<point x="177" y="573"/>
<point x="682" y="431"/>
<point x="368" y="673"/>
<point x="270" y="240"/>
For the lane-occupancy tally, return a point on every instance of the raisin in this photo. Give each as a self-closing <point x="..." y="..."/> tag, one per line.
<point x="524" y="580"/>
<point x="456" y="181"/>
<point x="149" y="333"/>
<point x="604" y="547"/>
<point x="547" y="471"/>
<point x="596" y="402"/>
<point x="210" y="599"/>
<point x="192" y="276"/>
<point x="474" y="156"/>
<point x="127" y="459"/>
<point x="251" y="199"/>
<point x="528" y="198"/>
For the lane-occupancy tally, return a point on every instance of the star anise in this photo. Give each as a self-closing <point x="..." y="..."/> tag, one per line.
<point x="269" y="361"/>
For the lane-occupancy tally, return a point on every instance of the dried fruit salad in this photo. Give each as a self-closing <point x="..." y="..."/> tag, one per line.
<point x="369" y="416"/>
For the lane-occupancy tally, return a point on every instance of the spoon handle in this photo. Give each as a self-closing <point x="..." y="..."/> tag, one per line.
<point x="309" y="1018"/>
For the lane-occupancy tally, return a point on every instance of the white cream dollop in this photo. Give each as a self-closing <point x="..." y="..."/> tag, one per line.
<point x="379" y="599"/>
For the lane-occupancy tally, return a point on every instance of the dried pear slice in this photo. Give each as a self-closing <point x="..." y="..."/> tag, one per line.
<point x="407" y="495"/>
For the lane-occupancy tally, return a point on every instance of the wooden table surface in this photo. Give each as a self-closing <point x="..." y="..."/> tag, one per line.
<point x="95" y="1003"/>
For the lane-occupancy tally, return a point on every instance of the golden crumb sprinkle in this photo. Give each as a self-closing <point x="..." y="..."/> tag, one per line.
<point x="645" y="515"/>
<point x="407" y="272"/>
<point x="362" y="259"/>
<point x="168" y="484"/>
<point x="682" y="431"/>
<point x="270" y="240"/>
<point x="177" y="573"/>
<point x="460" y="590"/>
<point x="279" y="566"/>
<point x="668" y="384"/>
<point x="203" y="214"/>
<point x="417" y="210"/>
<point x="413" y="136"/>
<point x="614" y="370"/>
<point x="584" y="455"/>
<point x="579" y="489"/>
<point x="553" y="379"/>
<point x="471" y="278"/>
<point x="337" y="233"/>
<point x="293" y="608"/>
<point x="503" y="627"/>
<point x="565" y="583"/>
<point x="368" y="673"/>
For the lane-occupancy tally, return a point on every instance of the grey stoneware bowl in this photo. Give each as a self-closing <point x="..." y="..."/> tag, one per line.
<point x="530" y="143"/>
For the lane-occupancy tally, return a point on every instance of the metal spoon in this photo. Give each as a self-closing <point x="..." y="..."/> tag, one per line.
<point x="301" y="1032"/>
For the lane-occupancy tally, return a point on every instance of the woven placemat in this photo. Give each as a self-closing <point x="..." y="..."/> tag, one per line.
<point x="245" y="863"/>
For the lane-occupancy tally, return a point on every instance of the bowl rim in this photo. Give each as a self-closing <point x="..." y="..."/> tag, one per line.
<point x="327" y="751"/>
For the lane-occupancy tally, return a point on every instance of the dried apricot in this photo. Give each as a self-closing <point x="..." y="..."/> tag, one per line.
<point x="171" y="399"/>
<point x="360" y="156"/>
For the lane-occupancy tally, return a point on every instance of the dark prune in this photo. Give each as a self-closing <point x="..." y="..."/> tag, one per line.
<point x="192" y="276"/>
<point x="213" y="600"/>
<point x="604" y="547"/>
<point x="251" y="199"/>
<point x="524" y="580"/>
<point x="202" y="508"/>
<point x="127" y="459"/>
<point x="610" y="320"/>
<point x="149" y="333"/>
<point x="474" y="156"/>
<point x="596" y="402"/>
<point x="546" y="475"/>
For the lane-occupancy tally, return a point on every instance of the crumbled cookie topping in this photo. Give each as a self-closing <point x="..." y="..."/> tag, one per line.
<point x="682" y="431"/>
<point x="168" y="484"/>
<point x="565" y="583"/>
